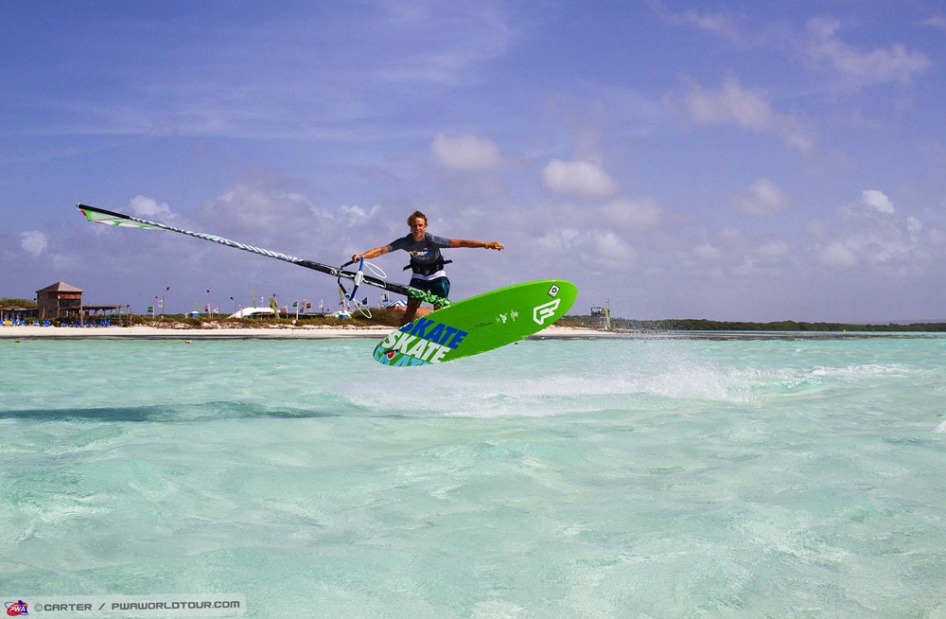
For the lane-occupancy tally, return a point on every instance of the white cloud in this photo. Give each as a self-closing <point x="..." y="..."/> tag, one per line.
<point x="706" y="251"/>
<point x="33" y="242"/>
<point x="748" y="109"/>
<point x="837" y="254"/>
<point x="268" y="212"/>
<point x="817" y="229"/>
<point x="774" y="249"/>
<point x="466" y="152"/>
<point x="763" y="197"/>
<point x="557" y="240"/>
<point x="295" y="196"/>
<point x="436" y="45"/>
<point x="873" y="234"/>
<point x="877" y="200"/>
<point x="262" y="209"/>
<point x="355" y="215"/>
<point x="715" y="23"/>
<point x="893" y="64"/>
<point x="937" y="21"/>
<point x="582" y="178"/>
<point x="142" y="206"/>
<point x="612" y="247"/>
<point x="914" y="227"/>
<point x="631" y="214"/>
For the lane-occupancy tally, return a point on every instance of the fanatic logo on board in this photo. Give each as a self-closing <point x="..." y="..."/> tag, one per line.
<point x="545" y="311"/>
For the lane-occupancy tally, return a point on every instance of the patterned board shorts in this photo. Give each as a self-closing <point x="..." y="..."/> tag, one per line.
<point x="439" y="286"/>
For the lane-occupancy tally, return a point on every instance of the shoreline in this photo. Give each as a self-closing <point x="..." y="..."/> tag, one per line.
<point x="287" y="332"/>
<point x="22" y="332"/>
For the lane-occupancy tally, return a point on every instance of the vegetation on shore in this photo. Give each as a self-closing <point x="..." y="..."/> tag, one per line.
<point x="391" y="317"/>
<point x="379" y="318"/>
<point x="625" y="324"/>
<point x="23" y="303"/>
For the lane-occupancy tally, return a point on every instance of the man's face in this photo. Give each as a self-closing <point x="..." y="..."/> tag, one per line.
<point x="418" y="229"/>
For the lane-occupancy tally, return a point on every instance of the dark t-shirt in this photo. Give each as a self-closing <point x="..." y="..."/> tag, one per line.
<point x="425" y="252"/>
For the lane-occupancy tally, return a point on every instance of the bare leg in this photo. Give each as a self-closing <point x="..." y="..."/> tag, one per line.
<point x="412" y="305"/>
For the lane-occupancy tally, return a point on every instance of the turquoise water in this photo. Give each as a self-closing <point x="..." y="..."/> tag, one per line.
<point x="629" y="478"/>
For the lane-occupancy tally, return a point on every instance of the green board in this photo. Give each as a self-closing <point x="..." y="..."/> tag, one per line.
<point x="478" y="324"/>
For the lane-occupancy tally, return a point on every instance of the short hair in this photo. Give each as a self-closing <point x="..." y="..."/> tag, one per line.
<point x="416" y="215"/>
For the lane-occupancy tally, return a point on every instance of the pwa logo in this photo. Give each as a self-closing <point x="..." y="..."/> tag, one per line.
<point x="543" y="312"/>
<point x="17" y="609"/>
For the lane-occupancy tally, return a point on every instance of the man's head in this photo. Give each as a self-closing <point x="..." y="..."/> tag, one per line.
<point x="418" y="223"/>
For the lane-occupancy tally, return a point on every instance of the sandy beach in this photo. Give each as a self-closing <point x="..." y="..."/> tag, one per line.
<point x="220" y="331"/>
<point x="262" y="332"/>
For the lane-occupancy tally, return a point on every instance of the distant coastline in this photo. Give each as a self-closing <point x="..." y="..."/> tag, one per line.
<point x="23" y="312"/>
<point x="699" y="325"/>
<point x="325" y="326"/>
<point x="212" y="330"/>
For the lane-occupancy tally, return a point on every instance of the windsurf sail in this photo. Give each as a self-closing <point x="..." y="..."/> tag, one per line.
<point x="112" y="218"/>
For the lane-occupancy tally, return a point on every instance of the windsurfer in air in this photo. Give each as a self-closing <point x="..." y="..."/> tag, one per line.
<point x="427" y="262"/>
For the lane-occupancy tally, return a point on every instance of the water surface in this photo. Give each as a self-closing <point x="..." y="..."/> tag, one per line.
<point x="628" y="478"/>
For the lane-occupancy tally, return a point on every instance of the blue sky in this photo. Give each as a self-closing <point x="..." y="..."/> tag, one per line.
<point x="728" y="160"/>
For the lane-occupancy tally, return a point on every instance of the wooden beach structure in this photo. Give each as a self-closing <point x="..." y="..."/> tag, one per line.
<point x="62" y="300"/>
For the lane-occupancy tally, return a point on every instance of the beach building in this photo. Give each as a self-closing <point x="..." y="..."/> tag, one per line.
<point x="62" y="300"/>
<point x="58" y="301"/>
